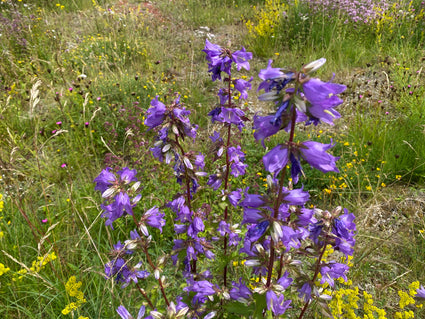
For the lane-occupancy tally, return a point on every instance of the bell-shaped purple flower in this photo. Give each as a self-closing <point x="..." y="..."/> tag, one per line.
<point x="200" y="161"/>
<point x="117" y="268"/>
<point x="124" y="314"/>
<point x="236" y="157"/>
<point x="295" y="196"/>
<point x="255" y="233"/>
<point x="241" y="58"/>
<point x="235" y="197"/>
<point x="195" y="227"/>
<point x="154" y="218"/>
<point x="214" y="181"/>
<point x="420" y="292"/>
<point x="333" y="270"/>
<point x="285" y="281"/>
<point x="117" y="208"/>
<point x="203" y="289"/>
<point x="315" y="154"/>
<point x="264" y="128"/>
<point x="155" y="114"/>
<point x="322" y="97"/>
<point x="243" y="86"/>
<point x="276" y="303"/>
<point x="275" y="160"/>
<point x="105" y="180"/>
<point x="271" y="76"/>
<point x="344" y="229"/>
<point x="240" y="291"/>
<point x="305" y="292"/>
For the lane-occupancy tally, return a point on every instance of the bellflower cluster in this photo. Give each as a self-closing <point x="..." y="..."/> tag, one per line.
<point x="312" y="101"/>
<point x="221" y="60"/>
<point x="191" y="224"/>
<point x="235" y="250"/>
<point x="279" y="225"/>
<point x="172" y="124"/>
<point x="116" y="191"/>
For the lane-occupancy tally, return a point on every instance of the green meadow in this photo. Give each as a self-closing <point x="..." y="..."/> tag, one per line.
<point x="76" y="79"/>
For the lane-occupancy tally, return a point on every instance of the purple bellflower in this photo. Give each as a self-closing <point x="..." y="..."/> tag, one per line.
<point x="420" y="292"/>
<point x="321" y="98"/>
<point x="240" y="291"/>
<point x="344" y="230"/>
<point x="124" y="314"/>
<point x="313" y="153"/>
<point x="155" y="114"/>
<point x="154" y="218"/>
<point x="220" y="59"/>
<point x="333" y="270"/>
<point x="276" y="303"/>
<point x="202" y="288"/>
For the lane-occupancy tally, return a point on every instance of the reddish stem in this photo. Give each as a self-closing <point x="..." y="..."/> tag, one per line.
<point x="316" y="273"/>
<point x="145" y="296"/>
<point x="226" y="180"/>
<point x="279" y="200"/>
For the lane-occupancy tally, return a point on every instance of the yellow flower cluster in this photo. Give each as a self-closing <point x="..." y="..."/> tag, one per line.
<point x="37" y="265"/>
<point x="73" y="290"/>
<point x="267" y="18"/>
<point x="1" y="202"/>
<point x="41" y="262"/>
<point x="370" y="309"/>
<point x="345" y="304"/>
<point x="3" y="269"/>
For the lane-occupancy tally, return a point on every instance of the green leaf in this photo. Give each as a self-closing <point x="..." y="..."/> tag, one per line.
<point x="73" y="267"/>
<point x="239" y="308"/>
<point x="222" y="205"/>
<point x="260" y="305"/>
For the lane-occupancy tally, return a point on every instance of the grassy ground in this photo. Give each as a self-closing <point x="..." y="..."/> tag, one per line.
<point x="76" y="77"/>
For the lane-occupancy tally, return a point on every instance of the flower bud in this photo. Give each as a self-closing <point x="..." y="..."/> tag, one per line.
<point x="226" y="295"/>
<point x="275" y="236"/>
<point x="187" y="162"/>
<point x="259" y="248"/>
<point x="277" y="229"/>
<point x="252" y="263"/>
<point x="210" y="315"/>
<point x="135" y="186"/>
<point x="144" y="230"/>
<point x="220" y="151"/>
<point x="182" y="312"/>
<point x="130" y="244"/>
<point x="175" y="130"/>
<point x="156" y="314"/>
<point x="166" y="148"/>
<point x="300" y="104"/>
<point x="156" y="273"/>
<point x="109" y="192"/>
<point x="313" y="66"/>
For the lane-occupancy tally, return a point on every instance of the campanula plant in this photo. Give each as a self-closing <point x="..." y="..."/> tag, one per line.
<point x="247" y="255"/>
